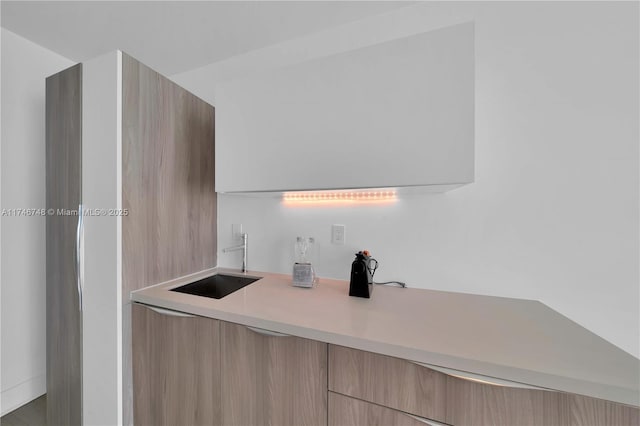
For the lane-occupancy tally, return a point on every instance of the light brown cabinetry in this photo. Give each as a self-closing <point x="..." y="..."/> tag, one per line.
<point x="387" y="381"/>
<point x="64" y="191"/>
<point x="473" y="403"/>
<point x="578" y="410"/>
<point x="168" y="153"/>
<point x="422" y="391"/>
<point x="272" y="379"/>
<point x="199" y="371"/>
<point x="347" y="411"/>
<point x="168" y="178"/>
<point x="176" y="368"/>
<point x="138" y="153"/>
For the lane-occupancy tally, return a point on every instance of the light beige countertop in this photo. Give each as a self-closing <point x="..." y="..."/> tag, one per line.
<point x="518" y="340"/>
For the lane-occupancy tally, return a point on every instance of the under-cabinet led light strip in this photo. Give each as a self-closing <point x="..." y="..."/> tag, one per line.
<point x="340" y="197"/>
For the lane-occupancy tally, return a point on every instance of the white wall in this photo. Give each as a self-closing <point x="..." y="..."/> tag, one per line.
<point x="553" y="214"/>
<point x="24" y="68"/>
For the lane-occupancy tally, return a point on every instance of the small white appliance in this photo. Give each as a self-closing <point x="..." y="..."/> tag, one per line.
<point x="303" y="272"/>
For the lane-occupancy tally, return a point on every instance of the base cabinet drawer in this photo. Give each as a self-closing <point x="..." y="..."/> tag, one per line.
<point x="413" y="388"/>
<point x="578" y="410"/>
<point x="272" y="379"/>
<point x="461" y="399"/>
<point x="472" y="403"/>
<point x="176" y="368"/>
<point x="388" y="381"/>
<point x="347" y="411"/>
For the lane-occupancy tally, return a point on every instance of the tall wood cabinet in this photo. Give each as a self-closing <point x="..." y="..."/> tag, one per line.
<point x="136" y="152"/>
<point x="64" y="192"/>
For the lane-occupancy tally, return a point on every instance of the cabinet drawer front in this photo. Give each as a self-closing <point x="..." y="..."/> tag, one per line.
<point x="578" y="410"/>
<point x="420" y="390"/>
<point x="388" y="381"/>
<point x="347" y="411"/>
<point x="470" y="403"/>
<point x="176" y="368"/>
<point x="272" y="379"/>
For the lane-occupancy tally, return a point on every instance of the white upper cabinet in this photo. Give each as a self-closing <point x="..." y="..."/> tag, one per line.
<point x="395" y="114"/>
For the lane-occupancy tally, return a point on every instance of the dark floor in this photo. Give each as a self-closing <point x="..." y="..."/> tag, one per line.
<point x="31" y="414"/>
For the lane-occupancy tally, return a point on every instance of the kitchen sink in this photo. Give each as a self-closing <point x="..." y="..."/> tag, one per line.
<point x="216" y="286"/>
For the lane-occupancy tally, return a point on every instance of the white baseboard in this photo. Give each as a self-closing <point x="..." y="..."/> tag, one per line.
<point x="23" y="393"/>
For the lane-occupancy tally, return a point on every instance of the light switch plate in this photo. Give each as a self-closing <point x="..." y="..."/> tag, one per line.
<point x="338" y="234"/>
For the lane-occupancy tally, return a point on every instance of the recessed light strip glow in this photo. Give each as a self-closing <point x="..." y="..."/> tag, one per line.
<point x="340" y="197"/>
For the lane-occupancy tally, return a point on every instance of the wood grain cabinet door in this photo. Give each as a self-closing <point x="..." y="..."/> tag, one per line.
<point x="578" y="410"/>
<point x="64" y="192"/>
<point x="271" y="379"/>
<point x="472" y="403"/>
<point x="168" y="174"/>
<point x="347" y="411"/>
<point x="426" y="392"/>
<point x="455" y="397"/>
<point x="176" y="368"/>
<point x="388" y="381"/>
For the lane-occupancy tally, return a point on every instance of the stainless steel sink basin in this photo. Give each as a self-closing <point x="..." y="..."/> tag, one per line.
<point x="216" y="286"/>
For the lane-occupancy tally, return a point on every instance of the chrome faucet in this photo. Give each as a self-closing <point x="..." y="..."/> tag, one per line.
<point x="243" y="247"/>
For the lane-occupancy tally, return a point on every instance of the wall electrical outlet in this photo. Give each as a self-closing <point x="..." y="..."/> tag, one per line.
<point x="338" y="234"/>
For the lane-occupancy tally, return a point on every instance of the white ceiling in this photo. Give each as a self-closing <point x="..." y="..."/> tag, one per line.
<point x="175" y="36"/>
